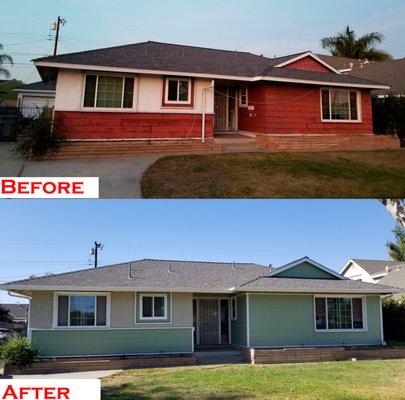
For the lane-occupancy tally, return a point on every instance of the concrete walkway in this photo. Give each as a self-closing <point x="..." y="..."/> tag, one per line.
<point x="70" y="375"/>
<point x="120" y="177"/>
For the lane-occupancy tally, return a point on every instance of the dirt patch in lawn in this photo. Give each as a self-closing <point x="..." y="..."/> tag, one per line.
<point x="374" y="174"/>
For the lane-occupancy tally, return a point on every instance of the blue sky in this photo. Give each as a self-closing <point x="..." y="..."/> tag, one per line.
<point x="55" y="236"/>
<point x="271" y="27"/>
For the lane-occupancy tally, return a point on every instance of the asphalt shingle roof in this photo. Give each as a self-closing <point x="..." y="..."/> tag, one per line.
<point x="395" y="278"/>
<point x="51" y="86"/>
<point x="157" y="56"/>
<point x="169" y="275"/>
<point x="17" y="311"/>
<point x="377" y="266"/>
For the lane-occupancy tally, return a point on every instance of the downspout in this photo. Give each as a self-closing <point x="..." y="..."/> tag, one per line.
<point x="204" y="96"/>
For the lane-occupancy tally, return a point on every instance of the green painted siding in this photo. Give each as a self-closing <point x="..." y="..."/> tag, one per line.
<point x="138" y="305"/>
<point x="305" y="270"/>
<point x="239" y="325"/>
<point x="112" y="341"/>
<point x="288" y="320"/>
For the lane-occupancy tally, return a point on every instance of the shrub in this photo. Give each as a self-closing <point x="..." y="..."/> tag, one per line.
<point x="394" y="318"/>
<point x="41" y="138"/>
<point x="19" y="352"/>
<point x="389" y="115"/>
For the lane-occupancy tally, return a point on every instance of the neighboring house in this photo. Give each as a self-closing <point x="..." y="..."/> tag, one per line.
<point x="169" y="307"/>
<point x="18" y="314"/>
<point x="33" y="97"/>
<point x="392" y="72"/>
<point x="159" y="91"/>
<point x="390" y="273"/>
<point x="7" y="95"/>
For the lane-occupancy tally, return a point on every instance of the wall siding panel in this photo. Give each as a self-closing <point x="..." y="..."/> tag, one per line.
<point x="54" y="343"/>
<point x="239" y="325"/>
<point x="309" y="64"/>
<point x="296" y="109"/>
<point x="305" y="270"/>
<point x="288" y="320"/>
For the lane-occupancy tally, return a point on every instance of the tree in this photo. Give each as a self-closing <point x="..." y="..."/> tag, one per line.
<point x="4" y="58"/>
<point x="347" y="44"/>
<point x="396" y="207"/>
<point x="4" y="317"/>
<point x="397" y="250"/>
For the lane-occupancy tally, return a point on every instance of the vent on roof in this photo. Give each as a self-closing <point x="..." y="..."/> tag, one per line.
<point x="233" y="265"/>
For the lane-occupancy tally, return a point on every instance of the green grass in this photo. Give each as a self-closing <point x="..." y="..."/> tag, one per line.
<point x="366" y="380"/>
<point x="373" y="174"/>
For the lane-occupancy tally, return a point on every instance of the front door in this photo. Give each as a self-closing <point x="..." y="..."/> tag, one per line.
<point x="208" y="322"/>
<point x="220" y="109"/>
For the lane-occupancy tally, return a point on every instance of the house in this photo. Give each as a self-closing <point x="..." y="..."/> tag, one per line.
<point x="162" y="307"/>
<point x="391" y="72"/>
<point x="33" y="97"/>
<point x="390" y="273"/>
<point x="18" y="314"/>
<point x="168" y="94"/>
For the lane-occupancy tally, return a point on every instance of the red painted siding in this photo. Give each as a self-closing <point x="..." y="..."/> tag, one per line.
<point x="119" y="125"/>
<point x="295" y="109"/>
<point x="309" y="64"/>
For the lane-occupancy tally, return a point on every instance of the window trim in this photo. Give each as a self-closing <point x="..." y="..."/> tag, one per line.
<point x="343" y="121"/>
<point x="171" y="103"/>
<point x="153" y="295"/>
<point x="326" y="296"/>
<point x="94" y="294"/>
<point x="243" y="105"/>
<point x="109" y="109"/>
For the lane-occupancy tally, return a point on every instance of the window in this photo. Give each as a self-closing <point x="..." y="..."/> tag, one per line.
<point x="234" y="314"/>
<point x="243" y="96"/>
<point x="339" y="313"/>
<point x="339" y="105"/>
<point x="81" y="310"/>
<point x="102" y="91"/>
<point x="178" y="91"/>
<point x="153" y="306"/>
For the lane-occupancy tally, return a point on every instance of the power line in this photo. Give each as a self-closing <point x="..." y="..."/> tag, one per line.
<point x="32" y="41"/>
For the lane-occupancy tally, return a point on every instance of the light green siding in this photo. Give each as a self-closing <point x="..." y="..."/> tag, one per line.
<point x="52" y="343"/>
<point x="305" y="270"/>
<point x="288" y="320"/>
<point x="239" y="327"/>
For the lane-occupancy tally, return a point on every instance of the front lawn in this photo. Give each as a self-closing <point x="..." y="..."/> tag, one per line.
<point x="344" y="174"/>
<point x="383" y="380"/>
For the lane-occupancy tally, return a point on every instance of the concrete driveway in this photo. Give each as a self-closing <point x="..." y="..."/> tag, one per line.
<point x="120" y="177"/>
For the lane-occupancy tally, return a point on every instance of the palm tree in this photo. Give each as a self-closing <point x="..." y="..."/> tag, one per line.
<point x="397" y="250"/>
<point x="5" y="58"/>
<point x="347" y="44"/>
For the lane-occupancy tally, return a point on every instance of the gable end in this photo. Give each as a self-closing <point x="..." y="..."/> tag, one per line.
<point x="309" y="62"/>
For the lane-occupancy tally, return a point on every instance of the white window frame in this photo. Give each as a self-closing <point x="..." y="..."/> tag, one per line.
<point x="234" y="316"/>
<point x="167" y="101"/>
<point x="344" y="121"/>
<point x="243" y="105"/>
<point x="94" y="294"/>
<point x="351" y="297"/>
<point x="110" y="109"/>
<point x="153" y="318"/>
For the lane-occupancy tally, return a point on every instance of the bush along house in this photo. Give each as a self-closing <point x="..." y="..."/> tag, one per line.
<point x="152" y="96"/>
<point x="160" y="312"/>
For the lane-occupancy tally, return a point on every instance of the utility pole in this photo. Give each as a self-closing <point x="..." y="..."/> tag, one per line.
<point x="55" y="26"/>
<point x="94" y="252"/>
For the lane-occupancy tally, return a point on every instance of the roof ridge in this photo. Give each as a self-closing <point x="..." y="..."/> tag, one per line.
<point x="202" y="262"/>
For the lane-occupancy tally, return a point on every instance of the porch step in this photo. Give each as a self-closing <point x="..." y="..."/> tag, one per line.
<point x="210" y="357"/>
<point x="238" y="145"/>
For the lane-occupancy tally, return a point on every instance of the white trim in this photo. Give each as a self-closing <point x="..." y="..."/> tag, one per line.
<point x="24" y="91"/>
<point x="300" y="261"/>
<point x="163" y="353"/>
<point x="193" y="290"/>
<point x="152" y="318"/>
<point x="297" y="346"/>
<point x="358" y="103"/>
<point x="198" y="75"/>
<point x="308" y="54"/>
<point x="174" y="102"/>
<point x="118" y="329"/>
<point x="247" y="320"/>
<point x="92" y="327"/>
<point x="327" y="330"/>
